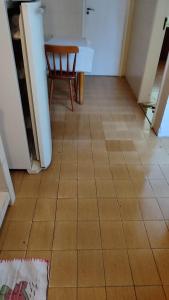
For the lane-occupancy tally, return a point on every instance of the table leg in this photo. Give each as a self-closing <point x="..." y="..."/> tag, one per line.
<point x="81" y="77"/>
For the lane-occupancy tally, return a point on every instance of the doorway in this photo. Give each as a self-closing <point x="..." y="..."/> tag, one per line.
<point x="149" y="107"/>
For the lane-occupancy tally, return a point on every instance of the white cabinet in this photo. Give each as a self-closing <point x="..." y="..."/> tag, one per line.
<point x="7" y="194"/>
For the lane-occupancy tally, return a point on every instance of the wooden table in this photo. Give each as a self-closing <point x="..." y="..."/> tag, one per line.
<point x="84" y="59"/>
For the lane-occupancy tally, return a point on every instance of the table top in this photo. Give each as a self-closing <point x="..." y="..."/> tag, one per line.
<point x="80" y="42"/>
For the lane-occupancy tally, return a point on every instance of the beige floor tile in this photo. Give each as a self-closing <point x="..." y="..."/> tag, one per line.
<point x="124" y="189"/>
<point x="86" y="189"/>
<point x="150" y="209"/>
<point x="67" y="189"/>
<point x="150" y="293"/>
<point x="84" y="145"/>
<point x="135" y="234"/>
<point x="136" y="171"/>
<point x="143" y="189"/>
<point x="120" y="293"/>
<point x="69" y="156"/>
<point x="69" y="145"/>
<point x="165" y="170"/>
<point x="22" y="210"/>
<point x="17" y="175"/>
<point x="87" y="209"/>
<point x="117" y="269"/>
<point x="66" y="210"/>
<point x="85" y="171"/>
<point x="90" y="269"/>
<point x="162" y="261"/>
<point x="131" y="157"/>
<point x="3" y="231"/>
<point x="166" y="289"/>
<point x="17" y="185"/>
<point x="91" y="294"/>
<point x="160" y="187"/>
<point x="129" y="208"/>
<point x="98" y="145"/>
<point x="113" y="145"/>
<point x="29" y="188"/>
<point x="153" y="172"/>
<point x="39" y="254"/>
<point x="45" y="209"/>
<point x="164" y="205"/>
<point x="41" y="236"/>
<point x="119" y="172"/>
<point x="109" y="209"/>
<point x="102" y="171"/>
<point x="89" y="235"/>
<point x="52" y="172"/>
<point x="12" y="254"/>
<point x="62" y="294"/>
<point x="85" y="156"/>
<point x="116" y="157"/>
<point x="17" y="236"/>
<point x="158" y="234"/>
<point x="100" y="156"/>
<point x="112" y="235"/>
<point x="143" y="267"/>
<point x="48" y="188"/>
<point x="105" y="188"/>
<point x="68" y="170"/>
<point x="65" y="236"/>
<point x="127" y="145"/>
<point x="63" y="269"/>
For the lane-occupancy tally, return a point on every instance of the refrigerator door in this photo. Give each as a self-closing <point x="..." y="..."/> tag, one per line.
<point x="34" y="40"/>
<point x="29" y="89"/>
<point x="12" y="124"/>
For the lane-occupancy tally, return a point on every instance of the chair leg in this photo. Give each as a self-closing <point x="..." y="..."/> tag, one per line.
<point x="51" y="91"/>
<point x="71" y="92"/>
<point x="76" y="89"/>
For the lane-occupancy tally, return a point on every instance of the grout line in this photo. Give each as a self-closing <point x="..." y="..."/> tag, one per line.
<point x="104" y="269"/>
<point x="152" y="251"/>
<point x="32" y="220"/>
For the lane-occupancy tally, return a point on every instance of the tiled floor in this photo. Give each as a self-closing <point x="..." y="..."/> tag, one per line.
<point x="100" y="213"/>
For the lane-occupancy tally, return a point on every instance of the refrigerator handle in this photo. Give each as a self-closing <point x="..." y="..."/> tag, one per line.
<point x="41" y="9"/>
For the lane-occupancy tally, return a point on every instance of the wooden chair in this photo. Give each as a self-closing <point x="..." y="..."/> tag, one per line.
<point x="56" y="54"/>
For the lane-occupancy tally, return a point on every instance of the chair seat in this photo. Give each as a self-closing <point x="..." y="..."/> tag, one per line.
<point x="63" y="75"/>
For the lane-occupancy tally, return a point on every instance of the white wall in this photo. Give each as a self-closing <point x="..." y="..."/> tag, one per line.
<point x="63" y="18"/>
<point x="144" y="13"/>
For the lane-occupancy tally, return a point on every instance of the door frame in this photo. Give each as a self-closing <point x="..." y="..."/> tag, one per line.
<point x="126" y="34"/>
<point x="83" y="18"/>
<point x="126" y="37"/>
<point x="153" y="54"/>
<point x="162" y="100"/>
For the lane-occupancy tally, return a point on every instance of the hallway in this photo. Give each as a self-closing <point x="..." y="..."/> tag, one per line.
<point x="100" y="213"/>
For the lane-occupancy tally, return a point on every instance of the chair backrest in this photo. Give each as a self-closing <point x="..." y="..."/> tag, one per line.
<point x="54" y="52"/>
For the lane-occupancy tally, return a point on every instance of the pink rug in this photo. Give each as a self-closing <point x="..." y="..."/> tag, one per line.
<point x="23" y="279"/>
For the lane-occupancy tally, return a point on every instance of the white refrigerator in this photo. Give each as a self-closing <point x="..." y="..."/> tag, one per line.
<point x="24" y="109"/>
